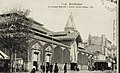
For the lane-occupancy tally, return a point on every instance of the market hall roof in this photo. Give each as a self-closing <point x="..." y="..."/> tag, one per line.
<point x="37" y="28"/>
<point x="64" y="35"/>
<point x="17" y="15"/>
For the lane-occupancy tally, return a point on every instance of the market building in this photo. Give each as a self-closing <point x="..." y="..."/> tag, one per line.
<point x="46" y="46"/>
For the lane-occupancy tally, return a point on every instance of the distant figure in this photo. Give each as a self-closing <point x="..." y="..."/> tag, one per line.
<point x="77" y="69"/>
<point x="88" y="65"/>
<point x="5" y="67"/>
<point x="56" y="68"/>
<point x="102" y="68"/>
<point x="65" y="68"/>
<point x="42" y="67"/>
<point x="47" y="67"/>
<point x="33" y="69"/>
<point x="51" y="68"/>
<point x="109" y="65"/>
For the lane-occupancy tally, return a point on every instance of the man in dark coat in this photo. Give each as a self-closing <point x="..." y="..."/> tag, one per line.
<point x="56" y="68"/>
<point x="47" y="67"/>
<point x="51" y="68"/>
<point x="65" y="68"/>
<point x="42" y="67"/>
<point x="33" y="69"/>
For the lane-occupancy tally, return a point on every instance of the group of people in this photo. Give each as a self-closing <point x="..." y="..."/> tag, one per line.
<point x="50" y="68"/>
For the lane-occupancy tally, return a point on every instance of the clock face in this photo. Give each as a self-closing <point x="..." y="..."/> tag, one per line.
<point x="110" y="5"/>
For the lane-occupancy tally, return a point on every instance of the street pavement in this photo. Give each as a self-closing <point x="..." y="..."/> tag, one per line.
<point x="81" y="71"/>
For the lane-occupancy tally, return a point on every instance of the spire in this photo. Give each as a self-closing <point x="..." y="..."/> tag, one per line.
<point x="70" y="26"/>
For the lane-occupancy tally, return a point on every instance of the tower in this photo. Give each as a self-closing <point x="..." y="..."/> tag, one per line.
<point x="71" y="29"/>
<point x="70" y="25"/>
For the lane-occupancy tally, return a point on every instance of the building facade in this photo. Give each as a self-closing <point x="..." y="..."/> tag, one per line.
<point x="101" y="44"/>
<point x="45" y="46"/>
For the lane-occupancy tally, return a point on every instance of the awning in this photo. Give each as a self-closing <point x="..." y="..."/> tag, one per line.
<point x="3" y="55"/>
<point x="84" y="51"/>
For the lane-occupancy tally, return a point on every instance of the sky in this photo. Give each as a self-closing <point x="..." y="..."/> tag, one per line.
<point x="96" y="20"/>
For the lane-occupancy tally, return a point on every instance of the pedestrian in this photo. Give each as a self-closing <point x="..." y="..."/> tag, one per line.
<point x="56" y="68"/>
<point x="77" y="69"/>
<point x="47" y="67"/>
<point x="65" y="68"/>
<point x="42" y="68"/>
<point x="109" y="65"/>
<point x="33" y="69"/>
<point x="88" y="65"/>
<point x="102" y="67"/>
<point x="51" y="68"/>
<point x="5" y="67"/>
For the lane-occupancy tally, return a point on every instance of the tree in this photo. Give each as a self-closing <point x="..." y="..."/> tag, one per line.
<point x="14" y="32"/>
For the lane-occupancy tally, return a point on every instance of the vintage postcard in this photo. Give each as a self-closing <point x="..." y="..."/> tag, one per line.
<point x="59" y="36"/>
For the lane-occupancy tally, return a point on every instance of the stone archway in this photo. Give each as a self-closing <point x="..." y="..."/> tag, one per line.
<point x="35" y="52"/>
<point x="47" y="51"/>
<point x="66" y="56"/>
<point x="58" y="55"/>
<point x="82" y="59"/>
<point x="33" y="42"/>
<point x="24" y="54"/>
<point x="79" y="58"/>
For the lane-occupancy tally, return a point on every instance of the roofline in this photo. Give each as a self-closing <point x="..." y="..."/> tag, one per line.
<point x="8" y="14"/>
<point x="54" y="43"/>
<point x="35" y="32"/>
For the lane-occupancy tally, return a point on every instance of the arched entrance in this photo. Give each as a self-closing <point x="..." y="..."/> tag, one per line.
<point x="36" y="51"/>
<point x="66" y="56"/>
<point x="58" y="55"/>
<point x="47" y="53"/>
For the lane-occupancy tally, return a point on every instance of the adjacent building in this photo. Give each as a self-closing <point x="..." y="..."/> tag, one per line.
<point x="101" y="44"/>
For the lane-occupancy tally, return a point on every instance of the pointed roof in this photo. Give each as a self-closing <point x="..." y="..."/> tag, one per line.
<point x="63" y="35"/>
<point x="70" y="23"/>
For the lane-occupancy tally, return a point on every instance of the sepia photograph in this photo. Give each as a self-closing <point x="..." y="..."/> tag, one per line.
<point x="59" y="36"/>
